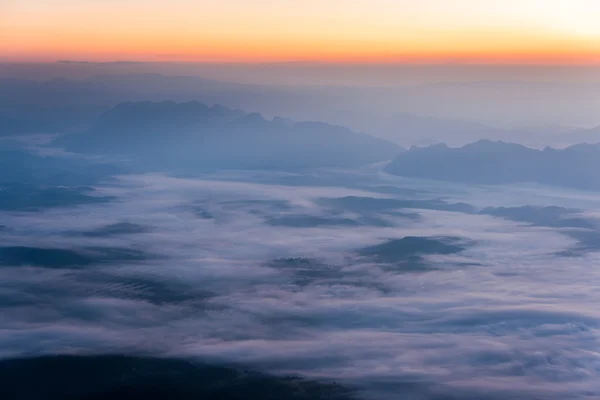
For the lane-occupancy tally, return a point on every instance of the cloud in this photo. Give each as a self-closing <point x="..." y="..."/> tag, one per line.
<point x="502" y="317"/>
<point x="108" y="63"/>
<point x="118" y="228"/>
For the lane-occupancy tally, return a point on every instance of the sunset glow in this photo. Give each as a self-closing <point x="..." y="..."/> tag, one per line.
<point x="477" y="31"/>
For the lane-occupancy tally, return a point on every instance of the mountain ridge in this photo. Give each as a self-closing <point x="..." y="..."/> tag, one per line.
<point x="497" y="162"/>
<point x="199" y="135"/>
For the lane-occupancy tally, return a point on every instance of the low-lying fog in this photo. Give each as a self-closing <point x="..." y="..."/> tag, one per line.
<point x="387" y="284"/>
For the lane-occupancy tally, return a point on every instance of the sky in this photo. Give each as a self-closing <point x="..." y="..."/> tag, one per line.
<point x="353" y="31"/>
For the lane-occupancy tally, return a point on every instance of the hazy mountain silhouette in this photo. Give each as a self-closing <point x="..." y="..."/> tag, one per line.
<point x="487" y="162"/>
<point x="23" y="197"/>
<point x="591" y="135"/>
<point x="66" y="258"/>
<point x="31" y="182"/>
<point x="586" y="232"/>
<point x="424" y="130"/>
<point x="365" y="205"/>
<point x="193" y="135"/>
<point x="25" y="167"/>
<point x="549" y="216"/>
<point x="72" y="105"/>
<point x="116" y="229"/>
<point x="409" y="252"/>
<point x="14" y="126"/>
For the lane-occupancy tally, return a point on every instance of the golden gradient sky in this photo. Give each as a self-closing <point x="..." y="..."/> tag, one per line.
<point x="478" y="31"/>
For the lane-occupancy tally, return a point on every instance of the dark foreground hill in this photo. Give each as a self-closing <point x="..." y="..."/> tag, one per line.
<point x="137" y="378"/>
<point x="487" y="162"/>
<point x="193" y="135"/>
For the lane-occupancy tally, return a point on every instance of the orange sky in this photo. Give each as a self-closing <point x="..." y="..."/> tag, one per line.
<point x="476" y="31"/>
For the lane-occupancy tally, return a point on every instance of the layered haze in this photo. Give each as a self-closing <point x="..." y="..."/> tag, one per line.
<point x="299" y="200"/>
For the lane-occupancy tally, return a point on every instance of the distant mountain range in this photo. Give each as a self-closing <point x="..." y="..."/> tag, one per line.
<point x="193" y="135"/>
<point x="488" y="162"/>
<point x="31" y="182"/>
<point x="404" y="115"/>
<point x="591" y="135"/>
<point x="18" y="166"/>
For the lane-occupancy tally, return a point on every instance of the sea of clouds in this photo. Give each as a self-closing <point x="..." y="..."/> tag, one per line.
<point x="247" y="268"/>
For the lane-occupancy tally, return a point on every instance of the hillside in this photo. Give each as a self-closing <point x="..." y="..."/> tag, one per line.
<point x="194" y="135"/>
<point x="487" y="162"/>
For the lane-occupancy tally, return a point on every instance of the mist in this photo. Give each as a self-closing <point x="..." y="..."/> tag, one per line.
<point x="535" y="105"/>
<point x="299" y="231"/>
